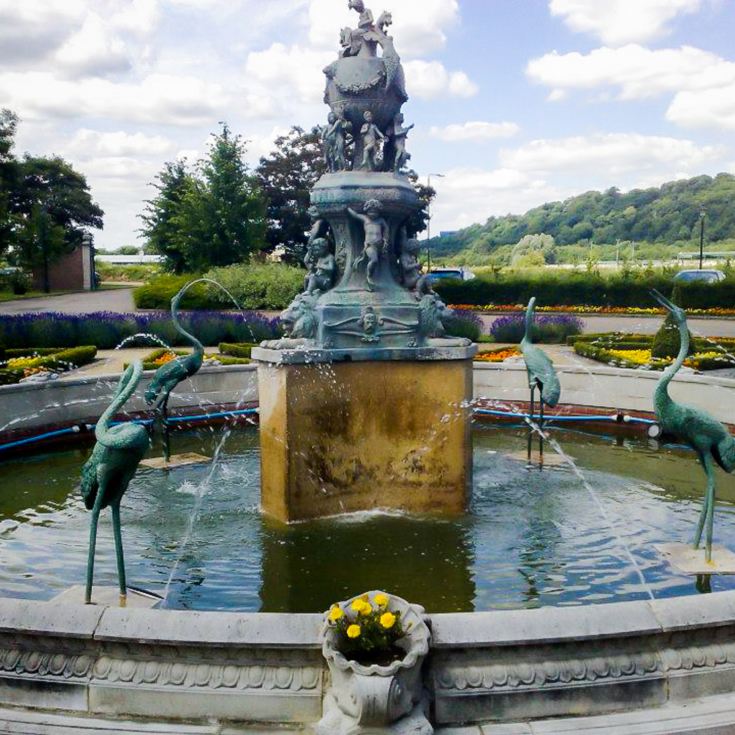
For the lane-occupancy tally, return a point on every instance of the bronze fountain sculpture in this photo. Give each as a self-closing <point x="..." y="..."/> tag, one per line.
<point x="110" y="469"/>
<point x="712" y="442"/>
<point x="541" y="376"/>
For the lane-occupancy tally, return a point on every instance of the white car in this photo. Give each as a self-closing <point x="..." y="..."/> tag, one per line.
<point x="707" y="276"/>
<point x="454" y="274"/>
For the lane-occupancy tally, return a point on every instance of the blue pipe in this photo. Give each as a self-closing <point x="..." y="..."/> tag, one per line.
<point x="251" y="411"/>
<point x="140" y="422"/>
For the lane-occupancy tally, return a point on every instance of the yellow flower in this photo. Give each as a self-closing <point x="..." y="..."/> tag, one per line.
<point x="361" y="607"/>
<point x="353" y="631"/>
<point x="388" y="620"/>
<point x="336" y="613"/>
<point x="381" y="600"/>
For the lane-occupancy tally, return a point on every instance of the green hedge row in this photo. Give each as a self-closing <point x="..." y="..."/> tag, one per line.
<point x="623" y="341"/>
<point x="149" y="361"/>
<point x="584" y="289"/>
<point x="243" y="349"/>
<point x="257" y="286"/>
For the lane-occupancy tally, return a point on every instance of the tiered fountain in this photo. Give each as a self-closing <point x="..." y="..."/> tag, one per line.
<point x="352" y="401"/>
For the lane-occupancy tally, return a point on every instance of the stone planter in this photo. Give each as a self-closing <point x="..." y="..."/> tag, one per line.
<point x="378" y="699"/>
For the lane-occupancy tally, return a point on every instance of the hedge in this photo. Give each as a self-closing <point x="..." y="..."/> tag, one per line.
<point x="107" y="330"/>
<point x="623" y="341"/>
<point x="584" y="289"/>
<point x="243" y="349"/>
<point x="256" y="286"/>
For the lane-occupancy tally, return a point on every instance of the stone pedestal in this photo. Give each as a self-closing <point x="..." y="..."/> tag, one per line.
<point x="371" y="429"/>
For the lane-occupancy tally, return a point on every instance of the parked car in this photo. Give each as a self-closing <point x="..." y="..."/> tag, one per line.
<point x="707" y="276"/>
<point x="446" y="274"/>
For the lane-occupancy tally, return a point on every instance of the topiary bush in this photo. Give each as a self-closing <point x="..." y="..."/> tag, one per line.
<point x="667" y="341"/>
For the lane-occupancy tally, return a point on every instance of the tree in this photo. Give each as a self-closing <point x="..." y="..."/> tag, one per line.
<point x="51" y="207"/>
<point x="8" y="175"/>
<point x="286" y="178"/>
<point x="161" y="218"/>
<point x="213" y="217"/>
<point x="534" y="250"/>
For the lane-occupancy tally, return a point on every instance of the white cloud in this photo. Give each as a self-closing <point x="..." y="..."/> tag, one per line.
<point x="637" y="71"/>
<point x="420" y="25"/>
<point x="714" y="108"/>
<point x="87" y="144"/>
<point x="615" y="154"/>
<point x="618" y="22"/>
<point x="430" y="79"/>
<point x="93" y="50"/>
<point x="139" y="17"/>
<point x="158" y="98"/>
<point x="475" y="131"/>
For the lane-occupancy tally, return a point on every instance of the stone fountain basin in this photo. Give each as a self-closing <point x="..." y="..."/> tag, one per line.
<point x="64" y="668"/>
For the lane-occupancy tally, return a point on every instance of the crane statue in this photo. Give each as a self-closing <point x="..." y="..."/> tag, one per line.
<point x="541" y="375"/>
<point x="109" y="470"/>
<point x="168" y="376"/>
<point x="705" y="434"/>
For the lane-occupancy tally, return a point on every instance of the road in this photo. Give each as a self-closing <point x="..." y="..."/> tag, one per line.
<point x="121" y="300"/>
<point x="86" y="302"/>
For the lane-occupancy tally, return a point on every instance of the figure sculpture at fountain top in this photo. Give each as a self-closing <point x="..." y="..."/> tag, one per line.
<point x="363" y="209"/>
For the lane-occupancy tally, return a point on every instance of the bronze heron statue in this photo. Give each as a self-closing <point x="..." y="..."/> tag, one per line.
<point x="712" y="442"/>
<point x="541" y="374"/>
<point x="170" y="375"/>
<point x="109" y="470"/>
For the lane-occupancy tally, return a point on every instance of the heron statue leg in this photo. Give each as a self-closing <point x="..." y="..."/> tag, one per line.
<point x="93" y="543"/>
<point x="709" y="530"/>
<point x="706" y="460"/>
<point x="119" y="552"/>
<point x="530" y="427"/>
<point x="541" y="424"/>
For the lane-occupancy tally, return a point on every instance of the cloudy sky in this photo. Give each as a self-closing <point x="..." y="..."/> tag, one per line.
<point x="517" y="102"/>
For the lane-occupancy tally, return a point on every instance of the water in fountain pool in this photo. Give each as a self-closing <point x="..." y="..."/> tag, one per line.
<point x="530" y="538"/>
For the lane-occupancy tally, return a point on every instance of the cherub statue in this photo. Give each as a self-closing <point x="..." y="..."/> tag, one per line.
<point x="372" y="139"/>
<point x="335" y="142"/>
<point x="366" y="15"/>
<point x="411" y="274"/>
<point x="318" y="229"/>
<point x="377" y="233"/>
<point x="402" y="157"/>
<point x="321" y="265"/>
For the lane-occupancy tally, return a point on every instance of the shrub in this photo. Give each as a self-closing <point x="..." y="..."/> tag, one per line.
<point x="549" y="329"/>
<point x="464" y="324"/>
<point x="667" y="341"/>
<point x="252" y="286"/>
<point x="256" y="286"/>
<point x="579" y="288"/>
<point x="237" y="350"/>
<point x="153" y="361"/>
<point x="107" y="330"/>
<point x="22" y="363"/>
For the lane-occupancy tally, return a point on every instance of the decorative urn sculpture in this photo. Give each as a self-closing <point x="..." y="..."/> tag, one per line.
<point x="384" y="697"/>
<point x="328" y="444"/>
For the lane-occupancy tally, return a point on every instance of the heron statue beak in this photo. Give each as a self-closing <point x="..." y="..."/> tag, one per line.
<point x="664" y="301"/>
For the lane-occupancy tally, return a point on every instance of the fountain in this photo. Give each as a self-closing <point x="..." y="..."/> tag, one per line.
<point x="351" y="399"/>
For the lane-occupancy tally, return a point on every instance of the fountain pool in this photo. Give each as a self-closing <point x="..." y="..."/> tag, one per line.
<point x="530" y="538"/>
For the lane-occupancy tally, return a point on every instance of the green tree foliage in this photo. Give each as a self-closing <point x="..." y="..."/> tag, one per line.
<point x="669" y="214"/>
<point x="8" y="175"/>
<point x="214" y="216"/>
<point x="539" y="249"/>
<point x="286" y="178"/>
<point x="163" y="214"/>
<point x="51" y="208"/>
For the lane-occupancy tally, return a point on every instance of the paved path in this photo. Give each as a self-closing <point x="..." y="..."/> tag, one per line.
<point x="644" y="324"/>
<point x="85" y="302"/>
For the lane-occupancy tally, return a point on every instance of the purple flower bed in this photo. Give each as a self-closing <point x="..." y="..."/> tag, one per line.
<point x="551" y="329"/>
<point x="106" y="330"/>
<point x="464" y="324"/>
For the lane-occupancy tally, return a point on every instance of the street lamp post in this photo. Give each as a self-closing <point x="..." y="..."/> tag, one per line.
<point x="428" y="225"/>
<point x="702" y="216"/>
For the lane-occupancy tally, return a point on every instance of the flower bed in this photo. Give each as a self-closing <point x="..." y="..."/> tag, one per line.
<point x="549" y="329"/>
<point x="640" y="357"/>
<point x="630" y="310"/>
<point x="498" y="355"/>
<point x="106" y="330"/>
<point x="25" y="363"/>
<point x="157" y="358"/>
